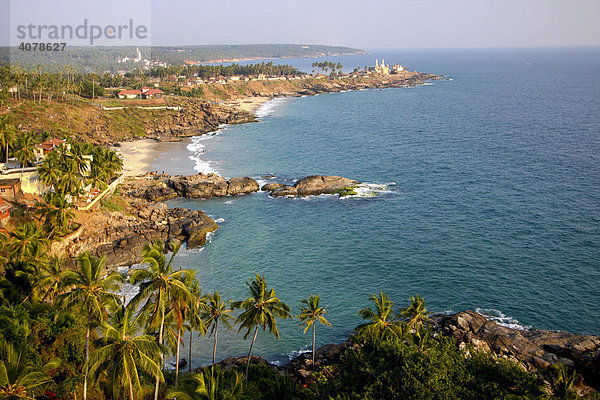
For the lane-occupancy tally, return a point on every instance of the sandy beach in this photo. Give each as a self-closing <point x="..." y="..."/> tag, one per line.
<point x="137" y="156"/>
<point x="250" y="104"/>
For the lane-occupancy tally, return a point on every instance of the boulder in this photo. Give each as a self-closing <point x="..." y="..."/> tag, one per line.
<point x="284" y="191"/>
<point x="200" y="186"/>
<point x="322" y="184"/>
<point x="241" y="185"/>
<point x="269" y="187"/>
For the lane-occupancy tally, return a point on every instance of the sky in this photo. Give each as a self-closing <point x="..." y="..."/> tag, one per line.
<point x="373" y="24"/>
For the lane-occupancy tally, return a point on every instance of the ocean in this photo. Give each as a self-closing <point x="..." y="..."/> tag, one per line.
<point x="481" y="192"/>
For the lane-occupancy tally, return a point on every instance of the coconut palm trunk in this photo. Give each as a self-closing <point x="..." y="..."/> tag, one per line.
<point x="190" y="354"/>
<point x="215" y="343"/>
<point x="177" y="357"/>
<point x="160" y="340"/>
<point x="250" y="352"/>
<point x="87" y="358"/>
<point x="314" y="340"/>
<point x="130" y="389"/>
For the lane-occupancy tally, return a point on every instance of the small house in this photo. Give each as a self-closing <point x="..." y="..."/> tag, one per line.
<point x="151" y="93"/>
<point x="40" y="150"/>
<point x="129" y="94"/>
<point x="10" y="188"/>
<point x="4" y="210"/>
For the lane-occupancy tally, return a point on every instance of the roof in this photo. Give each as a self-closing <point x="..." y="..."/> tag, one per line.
<point x="153" y="91"/>
<point x="5" y="207"/>
<point x="125" y="92"/>
<point x="51" y="144"/>
<point x="9" y="182"/>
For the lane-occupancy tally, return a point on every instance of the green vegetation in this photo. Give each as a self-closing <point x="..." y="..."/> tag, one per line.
<point x="327" y="66"/>
<point x="261" y="309"/>
<point x="103" y="58"/>
<point x="68" y="332"/>
<point x="347" y="191"/>
<point x="310" y="313"/>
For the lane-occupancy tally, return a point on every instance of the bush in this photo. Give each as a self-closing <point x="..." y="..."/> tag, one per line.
<point x="392" y="369"/>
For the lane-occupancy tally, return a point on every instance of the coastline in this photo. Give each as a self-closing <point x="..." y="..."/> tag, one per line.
<point x="137" y="156"/>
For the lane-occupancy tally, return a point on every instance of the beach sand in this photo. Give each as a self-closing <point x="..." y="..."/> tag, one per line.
<point x="250" y="104"/>
<point x="137" y="156"/>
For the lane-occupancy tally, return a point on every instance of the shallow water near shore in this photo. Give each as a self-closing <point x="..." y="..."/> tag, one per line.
<point x="488" y="196"/>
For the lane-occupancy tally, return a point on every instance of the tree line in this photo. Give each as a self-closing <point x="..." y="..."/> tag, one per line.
<point x="71" y="332"/>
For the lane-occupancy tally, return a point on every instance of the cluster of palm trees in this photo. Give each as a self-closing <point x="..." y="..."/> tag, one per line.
<point x="381" y="322"/>
<point x="328" y="65"/>
<point x="66" y="171"/>
<point x="38" y="84"/>
<point x="136" y="335"/>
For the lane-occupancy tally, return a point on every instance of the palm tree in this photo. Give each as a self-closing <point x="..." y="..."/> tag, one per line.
<point x="157" y="283"/>
<point x="217" y="311"/>
<point x="24" y="238"/>
<point x="416" y="313"/>
<point x="78" y="152"/>
<point x="379" y="325"/>
<point x="197" y="306"/>
<point x="69" y="179"/>
<point x="51" y="282"/>
<point x="97" y="177"/>
<point x="93" y="293"/>
<point x="260" y="309"/>
<point x="7" y="133"/>
<point x="24" y="151"/>
<point x="208" y="385"/>
<point x="181" y="303"/>
<point x="57" y="212"/>
<point x="125" y="352"/>
<point x="19" y="380"/>
<point x="49" y="170"/>
<point x="311" y="313"/>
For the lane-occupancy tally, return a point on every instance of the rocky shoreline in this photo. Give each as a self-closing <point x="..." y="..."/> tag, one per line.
<point x="197" y="116"/>
<point x="533" y="349"/>
<point x="121" y="235"/>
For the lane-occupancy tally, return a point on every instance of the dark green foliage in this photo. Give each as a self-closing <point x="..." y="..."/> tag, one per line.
<point x="348" y="191"/>
<point x="264" y="383"/>
<point x="391" y="369"/>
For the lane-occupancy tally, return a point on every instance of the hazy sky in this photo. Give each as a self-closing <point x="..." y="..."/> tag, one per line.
<point x="364" y="24"/>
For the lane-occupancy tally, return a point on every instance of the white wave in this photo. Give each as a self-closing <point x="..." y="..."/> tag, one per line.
<point x="220" y="220"/>
<point x="197" y="148"/>
<point x="370" y="190"/>
<point x="295" y="353"/>
<point x="209" y="237"/>
<point x="269" y="107"/>
<point x="501" y="319"/>
<point x="428" y="84"/>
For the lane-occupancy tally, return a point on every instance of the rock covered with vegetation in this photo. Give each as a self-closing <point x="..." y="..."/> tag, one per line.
<point x="312" y="185"/>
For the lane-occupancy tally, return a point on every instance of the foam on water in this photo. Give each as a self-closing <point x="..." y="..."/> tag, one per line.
<point x="197" y="148"/>
<point x="269" y="107"/>
<point x="502" y="319"/>
<point x="370" y="190"/>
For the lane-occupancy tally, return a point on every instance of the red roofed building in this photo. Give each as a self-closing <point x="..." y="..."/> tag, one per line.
<point x="150" y="93"/>
<point x="129" y="94"/>
<point x="40" y="150"/>
<point x="4" y="210"/>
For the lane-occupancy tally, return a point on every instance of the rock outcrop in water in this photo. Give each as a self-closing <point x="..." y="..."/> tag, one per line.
<point x="534" y="349"/>
<point x="201" y="186"/>
<point x="313" y="185"/>
<point x="121" y="235"/>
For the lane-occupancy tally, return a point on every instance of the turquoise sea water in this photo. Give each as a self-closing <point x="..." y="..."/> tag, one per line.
<point x="490" y="197"/>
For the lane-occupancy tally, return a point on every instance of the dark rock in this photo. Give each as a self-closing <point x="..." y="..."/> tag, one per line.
<point x="537" y="348"/>
<point x="269" y="187"/>
<point x="322" y="184"/>
<point x="241" y="185"/>
<point x="284" y="191"/>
